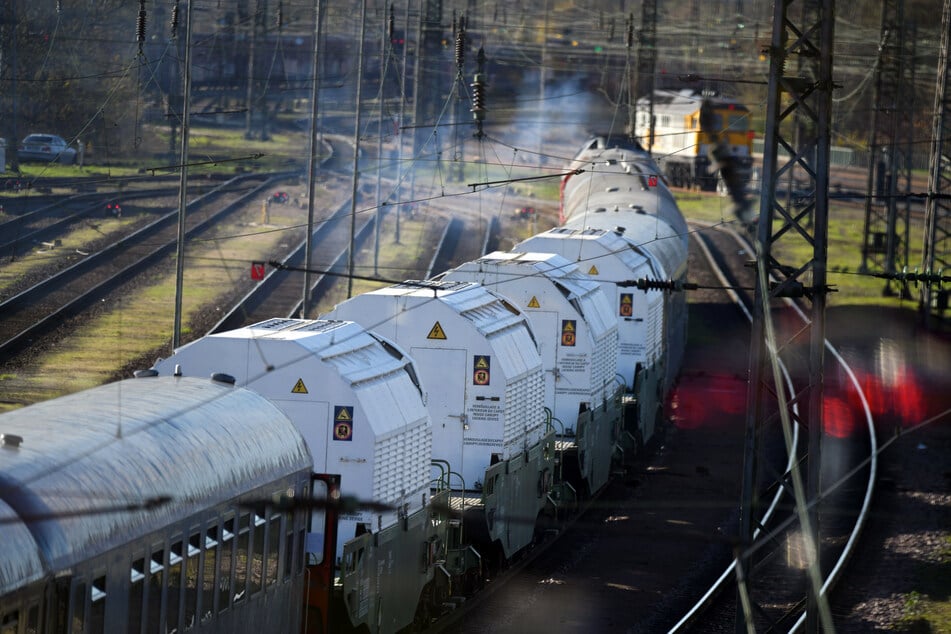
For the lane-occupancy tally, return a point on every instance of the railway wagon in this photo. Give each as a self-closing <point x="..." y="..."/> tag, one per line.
<point x="146" y="506"/>
<point x="621" y="225"/>
<point x="576" y="334"/>
<point x="482" y="375"/>
<point x="693" y="133"/>
<point x="614" y="262"/>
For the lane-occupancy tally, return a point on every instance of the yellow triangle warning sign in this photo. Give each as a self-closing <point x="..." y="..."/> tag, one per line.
<point x="481" y="363"/>
<point x="568" y="325"/>
<point x="299" y="387"/>
<point x="344" y="414"/>
<point x="533" y="302"/>
<point x="436" y="332"/>
<point x="593" y="270"/>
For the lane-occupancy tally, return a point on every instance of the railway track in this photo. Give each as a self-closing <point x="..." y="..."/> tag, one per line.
<point x="33" y="220"/>
<point x="280" y="293"/>
<point x="776" y="585"/>
<point x="51" y="219"/>
<point x="44" y="305"/>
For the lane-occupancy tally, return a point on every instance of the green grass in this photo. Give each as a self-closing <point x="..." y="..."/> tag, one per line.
<point x="844" y="257"/>
<point x="929" y="610"/>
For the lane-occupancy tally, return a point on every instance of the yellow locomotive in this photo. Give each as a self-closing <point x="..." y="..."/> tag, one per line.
<point x="697" y="138"/>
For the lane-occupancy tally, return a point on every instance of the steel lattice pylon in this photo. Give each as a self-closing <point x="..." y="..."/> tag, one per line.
<point x="887" y="204"/>
<point x="644" y="80"/>
<point x="938" y="209"/>
<point x="798" y="120"/>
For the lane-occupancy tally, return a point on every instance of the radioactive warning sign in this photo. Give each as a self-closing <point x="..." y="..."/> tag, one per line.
<point x="299" y="387"/>
<point x="481" y="370"/>
<point x="533" y="302"/>
<point x="343" y="422"/>
<point x="593" y="270"/>
<point x="626" y="308"/>
<point x="568" y="332"/>
<point x="436" y="332"/>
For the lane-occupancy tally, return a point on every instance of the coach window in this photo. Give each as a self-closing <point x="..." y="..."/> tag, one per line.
<point x="10" y="622"/>
<point x="225" y="563"/>
<point x="274" y="532"/>
<point x="136" y="596"/>
<point x="33" y="620"/>
<point x="209" y="567"/>
<point x="77" y="606"/>
<point x="156" y="585"/>
<point x="257" y="554"/>
<point x="173" y="605"/>
<point x="302" y="533"/>
<point x="97" y="609"/>
<point x="193" y="550"/>
<point x="242" y="558"/>
<point x="289" y="548"/>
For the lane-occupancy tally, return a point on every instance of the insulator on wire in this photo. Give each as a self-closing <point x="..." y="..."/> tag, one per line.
<point x="59" y="7"/>
<point x="611" y="30"/>
<point x="478" y="97"/>
<point x="391" y="24"/>
<point x="140" y="25"/>
<point x="460" y="46"/>
<point x="630" y="31"/>
<point x="478" y="94"/>
<point x="174" y="20"/>
<point x="279" y="18"/>
<point x="646" y="284"/>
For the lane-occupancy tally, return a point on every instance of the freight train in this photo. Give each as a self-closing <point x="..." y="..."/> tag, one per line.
<point x="473" y="411"/>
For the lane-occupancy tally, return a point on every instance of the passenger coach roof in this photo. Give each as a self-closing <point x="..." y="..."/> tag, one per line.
<point x="192" y="442"/>
<point x="21" y="562"/>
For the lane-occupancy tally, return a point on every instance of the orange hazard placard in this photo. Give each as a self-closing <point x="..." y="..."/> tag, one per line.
<point x="343" y="422"/>
<point x="568" y="332"/>
<point x="626" y="308"/>
<point x="481" y="369"/>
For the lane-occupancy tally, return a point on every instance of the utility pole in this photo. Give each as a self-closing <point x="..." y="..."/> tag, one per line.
<point x="809" y="38"/>
<point x="356" y="151"/>
<point x="312" y="163"/>
<point x="183" y="181"/>
<point x="402" y="138"/>
<point x="386" y="49"/>
<point x="937" y="241"/>
<point x="14" y="139"/>
<point x="647" y="63"/>
<point x="885" y="234"/>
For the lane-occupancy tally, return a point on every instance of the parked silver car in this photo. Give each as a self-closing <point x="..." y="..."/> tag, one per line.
<point x="46" y="147"/>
